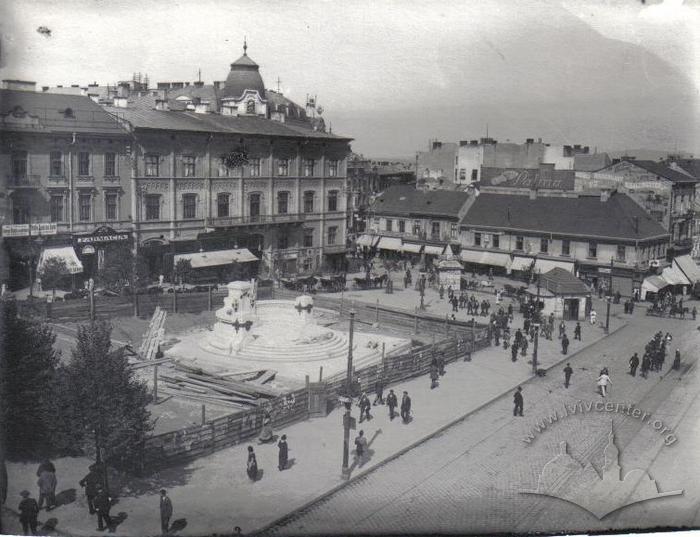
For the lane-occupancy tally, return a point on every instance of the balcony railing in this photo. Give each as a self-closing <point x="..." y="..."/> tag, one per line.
<point x="23" y="181"/>
<point x="262" y="219"/>
<point x="683" y="215"/>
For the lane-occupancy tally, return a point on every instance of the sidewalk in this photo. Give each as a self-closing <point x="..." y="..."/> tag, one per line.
<point x="213" y="494"/>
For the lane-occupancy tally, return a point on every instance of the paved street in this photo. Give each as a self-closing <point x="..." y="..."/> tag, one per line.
<point x="470" y="476"/>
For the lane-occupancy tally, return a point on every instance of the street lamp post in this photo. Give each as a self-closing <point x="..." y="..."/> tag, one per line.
<point x="609" y="299"/>
<point x="347" y="401"/>
<point x="421" y="290"/>
<point x="534" y="348"/>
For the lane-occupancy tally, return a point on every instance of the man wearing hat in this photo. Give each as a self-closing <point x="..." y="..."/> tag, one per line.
<point x="103" y="503"/>
<point x="166" y="511"/>
<point x="28" y="512"/>
<point x="90" y="482"/>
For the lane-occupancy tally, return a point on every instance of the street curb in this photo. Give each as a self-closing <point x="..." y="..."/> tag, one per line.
<point x="420" y="441"/>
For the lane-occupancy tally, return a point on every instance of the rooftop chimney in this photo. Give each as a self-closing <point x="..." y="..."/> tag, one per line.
<point x="162" y="104"/>
<point x="45" y="88"/>
<point x="19" y="85"/>
<point x="530" y="141"/>
<point x="198" y="84"/>
<point x="437" y="145"/>
<point x="120" y="102"/>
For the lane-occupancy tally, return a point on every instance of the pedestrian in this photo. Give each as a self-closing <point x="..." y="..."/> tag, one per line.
<point x="405" y="407"/>
<point x="91" y="482"/>
<point x="594" y="317"/>
<point x="677" y="360"/>
<point x="646" y="364"/>
<point x="103" y="503"/>
<point x="252" y="465"/>
<point x="524" y="344"/>
<point x="378" y="391"/>
<point x="694" y="312"/>
<point x="28" y="513"/>
<point x="283" y="455"/>
<point x="577" y="331"/>
<point x="392" y="402"/>
<point x="442" y="292"/>
<point x="603" y="381"/>
<point x="364" y="405"/>
<point x="567" y="375"/>
<point x="518" y="402"/>
<point x="634" y="363"/>
<point x="47" y="485"/>
<point x="166" y="511"/>
<point x="514" y="353"/>
<point x="360" y="446"/>
<point x="562" y="329"/>
<point x="441" y="363"/>
<point x="433" y="374"/>
<point x="564" y="344"/>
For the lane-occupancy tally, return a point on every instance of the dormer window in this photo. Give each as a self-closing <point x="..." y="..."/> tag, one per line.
<point x="68" y="113"/>
<point x="250" y="107"/>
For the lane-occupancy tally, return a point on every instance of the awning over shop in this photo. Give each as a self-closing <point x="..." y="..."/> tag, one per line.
<point x="485" y="258"/>
<point x="367" y="240"/>
<point x="217" y="257"/>
<point x="390" y="243"/>
<point x="674" y="276"/>
<point x="411" y="247"/>
<point x="545" y="265"/>
<point x="688" y="267"/>
<point x="431" y="249"/>
<point x="521" y="263"/>
<point x="66" y="253"/>
<point x="653" y="284"/>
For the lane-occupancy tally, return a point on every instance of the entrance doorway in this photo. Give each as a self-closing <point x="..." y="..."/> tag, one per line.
<point x="571" y="306"/>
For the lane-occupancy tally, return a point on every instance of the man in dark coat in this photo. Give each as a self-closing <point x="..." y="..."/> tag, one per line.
<point x="567" y="375"/>
<point x="433" y="375"/>
<point x="364" y="405"/>
<point x="283" y="456"/>
<point x="28" y="513"/>
<point x="405" y="407"/>
<point x="379" y="391"/>
<point x="518" y="402"/>
<point x="103" y="503"/>
<point x="514" y="353"/>
<point x="91" y="482"/>
<point x="392" y="402"/>
<point x="634" y="363"/>
<point x="646" y="364"/>
<point x="564" y="344"/>
<point x="677" y="360"/>
<point x="441" y="363"/>
<point x="166" y="511"/>
<point x="47" y="485"/>
<point x="577" y="331"/>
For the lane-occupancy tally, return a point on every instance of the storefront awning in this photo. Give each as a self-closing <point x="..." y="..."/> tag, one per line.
<point x="390" y="243"/>
<point x="688" y="267"/>
<point x="411" y="247"/>
<point x="521" y="263"/>
<point x="674" y="276"/>
<point x="217" y="257"/>
<point x="653" y="284"/>
<point x="485" y="258"/>
<point x="545" y="265"/>
<point x="367" y="240"/>
<point x="431" y="249"/>
<point x="66" y="253"/>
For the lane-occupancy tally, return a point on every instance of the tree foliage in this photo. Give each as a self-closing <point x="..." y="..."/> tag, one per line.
<point x="108" y="401"/>
<point x="182" y="271"/>
<point x="120" y="267"/>
<point x="52" y="272"/>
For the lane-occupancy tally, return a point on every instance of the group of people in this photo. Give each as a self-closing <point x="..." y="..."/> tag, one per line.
<point x="461" y="300"/>
<point x="654" y="356"/>
<point x="361" y="444"/>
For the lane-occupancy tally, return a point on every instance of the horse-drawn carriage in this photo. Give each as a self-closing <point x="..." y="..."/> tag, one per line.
<point x="334" y="283"/>
<point x="372" y="282"/>
<point x="304" y="285"/>
<point x="665" y="309"/>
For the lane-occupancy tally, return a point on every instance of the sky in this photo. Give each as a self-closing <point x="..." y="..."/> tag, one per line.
<point x="395" y="74"/>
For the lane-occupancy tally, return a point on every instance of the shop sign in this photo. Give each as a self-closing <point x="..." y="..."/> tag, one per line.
<point x="604" y="270"/>
<point x="26" y="230"/>
<point x="88" y="250"/>
<point x="101" y="235"/>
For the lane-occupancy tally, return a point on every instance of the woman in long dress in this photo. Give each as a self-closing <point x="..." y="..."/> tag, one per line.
<point x="252" y="464"/>
<point x="283" y="453"/>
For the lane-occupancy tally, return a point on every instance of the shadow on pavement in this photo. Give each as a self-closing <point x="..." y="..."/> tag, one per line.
<point x="151" y="484"/>
<point x="65" y="497"/>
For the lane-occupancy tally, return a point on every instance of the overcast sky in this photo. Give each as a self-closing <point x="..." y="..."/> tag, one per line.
<point x="392" y="74"/>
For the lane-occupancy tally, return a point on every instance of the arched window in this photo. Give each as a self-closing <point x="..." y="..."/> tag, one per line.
<point x="250" y="107"/>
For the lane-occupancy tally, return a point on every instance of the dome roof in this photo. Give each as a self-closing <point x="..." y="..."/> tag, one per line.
<point x="244" y="75"/>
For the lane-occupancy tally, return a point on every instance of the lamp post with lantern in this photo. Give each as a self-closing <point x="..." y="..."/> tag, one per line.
<point x="346" y="399"/>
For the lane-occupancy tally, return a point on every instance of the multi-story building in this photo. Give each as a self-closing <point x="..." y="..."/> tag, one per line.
<point x="233" y="166"/>
<point x="667" y="194"/>
<point x="691" y="166"/>
<point x="581" y="233"/>
<point x="437" y="165"/>
<point x="66" y="174"/>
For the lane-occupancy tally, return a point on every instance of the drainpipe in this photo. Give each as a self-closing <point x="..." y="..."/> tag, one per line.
<point x="70" y="185"/>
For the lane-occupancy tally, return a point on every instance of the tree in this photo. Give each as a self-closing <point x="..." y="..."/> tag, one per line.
<point x="120" y="268"/>
<point x="52" y="272"/>
<point x="111" y="418"/>
<point x="28" y="365"/>
<point x="182" y="271"/>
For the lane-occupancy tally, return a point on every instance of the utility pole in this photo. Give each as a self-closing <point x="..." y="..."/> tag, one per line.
<point x="534" y="348"/>
<point x="609" y="299"/>
<point x="347" y="401"/>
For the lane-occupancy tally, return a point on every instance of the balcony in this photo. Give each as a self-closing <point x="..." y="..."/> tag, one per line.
<point x="23" y="181"/>
<point x="680" y="216"/>
<point x="262" y="219"/>
<point x="57" y="181"/>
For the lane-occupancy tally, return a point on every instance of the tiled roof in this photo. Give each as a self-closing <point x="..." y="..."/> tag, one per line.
<point x="591" y="162"/>
<point x="405" y="200"/>
<point x="562" y="282"/>
<point x="528" y="178"/>
<point x="662" y="170"/>
<point x="690" y="165"/>
<point x="49" y="109"/>
<point x="583" y="216"/>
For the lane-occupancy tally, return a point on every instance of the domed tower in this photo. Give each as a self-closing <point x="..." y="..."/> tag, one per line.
<point x="244" y="91"/>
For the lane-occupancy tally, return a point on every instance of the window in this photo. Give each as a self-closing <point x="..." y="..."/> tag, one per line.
<point x="475" y="174"/>
<point x="222" y="169"/>
<point x="189" y="205"/>
<point x="565" y="247"/>
<point x="282" y="202"/>
<point x="254" y="206"/>
<point x="462" y="174"/>
<point x="83" y="163"/>
<point x="333" y="201"/>
<point x="496" y="241"/>
<point x="250" y="107"/>
<point x="282" y="241"/>
<point x="151" y="165"/>
<point x="592" y="249"/>
<point x="518" y="243"/>
<point x="454" y="231"/>
<point x="152" y="207"/>
<point x="402" y="226"/>
<point x="308" y="167"/>
<point x="188" y="166"/>
<point x="283" y="167"/>
<point x="56" y="204"/>
<point x="309" y="201"/>
<point x="84" y="206"/>
<point x="111" y="205"/>
<point x="110" y="164"/>
<point x="19" y="163"/>
<point x="56" y="164"/>
<point x="416" y="227"/>
<point x="254" y="164"/>
<point x="621" y="252"/>
<point x="332" y="168"/>
<point x="435" y="229"/>
<point x="477" y="239"/>
<point x="544" y="245"/>
<point x="222" y="204"/>
<point x="389" y="224"/>
<point x="332" y="232"/>
<point x="308" y="238"/>
<point x="20" y="212"/>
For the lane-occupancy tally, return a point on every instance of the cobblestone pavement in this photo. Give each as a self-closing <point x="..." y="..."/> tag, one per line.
<point x="470" y="477"/>
<point x="213" y="493"/>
